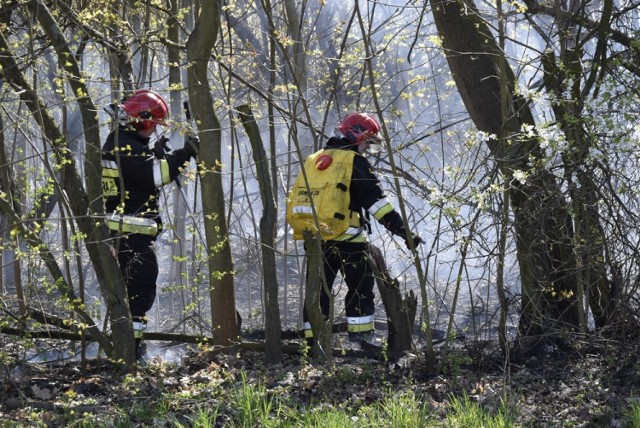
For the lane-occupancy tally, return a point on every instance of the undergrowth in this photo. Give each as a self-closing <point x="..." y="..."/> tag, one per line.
<point x="242" y="391"/>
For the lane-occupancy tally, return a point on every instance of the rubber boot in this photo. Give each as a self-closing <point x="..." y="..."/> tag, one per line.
<point x="363" y="336"/>
<point x="141" y="350"/>
<point x="139" y="325"/>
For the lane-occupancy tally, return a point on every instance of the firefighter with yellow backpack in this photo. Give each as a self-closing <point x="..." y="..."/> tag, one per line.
<point x="339" y="189"/>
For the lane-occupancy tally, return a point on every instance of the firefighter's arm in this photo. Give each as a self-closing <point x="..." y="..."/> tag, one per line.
<point x="142" y="167"/>
<point x="393" y="223"/>
<point x="374" y="201"/>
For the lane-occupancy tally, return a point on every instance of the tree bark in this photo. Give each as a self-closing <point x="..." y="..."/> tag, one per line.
<point x="7" y="255"/>
<point x="589" y="237"/>
<point x="319" y="325"/>
<point x="97" y="237"/>
<point x="542" y="222"/>
<point x="401" y="311"/>
<point x="177" y="272"/>
<point x="221" y="287"/>
<point x="273" y="353"/>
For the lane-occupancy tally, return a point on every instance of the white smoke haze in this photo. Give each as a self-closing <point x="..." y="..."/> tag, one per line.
<point x="446" y="176"/>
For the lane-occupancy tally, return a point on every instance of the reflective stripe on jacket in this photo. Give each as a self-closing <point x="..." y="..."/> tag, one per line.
<point x="133" y="224"/>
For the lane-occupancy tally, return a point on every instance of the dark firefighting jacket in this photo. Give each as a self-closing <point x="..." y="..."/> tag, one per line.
<point x="131" y="178"/>
<point x="366" y="196"/>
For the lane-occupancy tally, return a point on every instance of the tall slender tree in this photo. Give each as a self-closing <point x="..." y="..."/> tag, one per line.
<point x="221" y="285"/>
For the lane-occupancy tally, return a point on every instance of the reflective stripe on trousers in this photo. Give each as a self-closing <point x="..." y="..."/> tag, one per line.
<point x="360" y="324"/>
<point x="308" y="332"/>
<point x="354" y="325"/>
<point x="138" y="329"/>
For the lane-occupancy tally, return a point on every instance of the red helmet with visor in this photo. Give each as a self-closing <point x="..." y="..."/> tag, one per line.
<point x="146" y="109"/>
<point x="358" y="127"/>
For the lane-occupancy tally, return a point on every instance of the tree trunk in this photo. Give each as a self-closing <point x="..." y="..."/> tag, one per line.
<point x="319" y="325"/>
<point x="11" y="264"/>
<point x="273" y="353"/>
<point x="589" y="238"/>
<point x="221" y="286"/>
<point x="299" y="69"/>
<point x="97" y="237"/>
<point x="401" y="311"/>
<point x="542" y="222"/>
<point x="177" y="272"/>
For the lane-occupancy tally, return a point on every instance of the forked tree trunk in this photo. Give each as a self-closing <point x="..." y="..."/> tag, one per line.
<point x="589" y="237"/>
<point x="542" y="222"/>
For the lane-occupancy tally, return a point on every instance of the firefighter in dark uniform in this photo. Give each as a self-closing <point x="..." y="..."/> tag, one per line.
<point x="347" y="253"/>
<point x="132" y="174"/>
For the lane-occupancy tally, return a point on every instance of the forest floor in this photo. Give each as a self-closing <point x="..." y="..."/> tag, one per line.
<point x="590" y="386"/>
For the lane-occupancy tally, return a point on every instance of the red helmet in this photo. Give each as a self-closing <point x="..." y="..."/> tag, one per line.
<point x="146" y="109"/>
<point x="358" y="127"/>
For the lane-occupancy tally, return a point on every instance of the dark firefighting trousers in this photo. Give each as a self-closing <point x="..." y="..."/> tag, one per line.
<point x="352" y="261"/>
<point x="139" y="266"/>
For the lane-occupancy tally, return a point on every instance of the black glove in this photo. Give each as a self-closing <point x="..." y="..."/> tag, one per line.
<point x="416" y="240"/>
<point x="161" y="148"/>
<point x="192" y="146"/>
